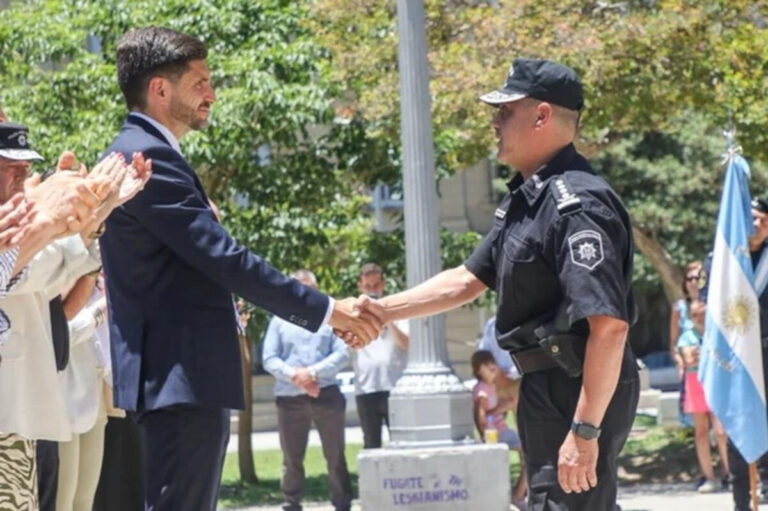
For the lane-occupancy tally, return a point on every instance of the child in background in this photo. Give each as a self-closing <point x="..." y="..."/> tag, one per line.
<point x="694" y="402"/>
<point x="489" y="412"/>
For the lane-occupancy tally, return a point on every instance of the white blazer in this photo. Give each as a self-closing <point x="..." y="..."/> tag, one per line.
<point x="31" y="400"/>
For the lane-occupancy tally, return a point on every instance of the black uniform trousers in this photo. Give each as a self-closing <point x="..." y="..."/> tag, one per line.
<point x="740" y="477"/>
<point x="184" y="452"/>
<point x="547" y="403"/>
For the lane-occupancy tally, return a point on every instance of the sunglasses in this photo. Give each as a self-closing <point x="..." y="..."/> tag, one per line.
<point x="692" y="278"/>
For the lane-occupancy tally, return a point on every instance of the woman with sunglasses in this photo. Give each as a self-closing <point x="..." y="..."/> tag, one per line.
<point x="680" y="319"/>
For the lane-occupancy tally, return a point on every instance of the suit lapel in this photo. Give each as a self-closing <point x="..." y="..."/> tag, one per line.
<point x="134" y="120"/>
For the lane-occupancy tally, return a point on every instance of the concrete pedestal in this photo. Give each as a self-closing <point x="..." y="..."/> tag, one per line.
<point x="459" y="478"/>
<point x="669" y="410"/>
<point x="428" y="410"/>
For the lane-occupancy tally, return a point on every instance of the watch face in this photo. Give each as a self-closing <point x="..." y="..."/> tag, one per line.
<point x="586" y="431"/>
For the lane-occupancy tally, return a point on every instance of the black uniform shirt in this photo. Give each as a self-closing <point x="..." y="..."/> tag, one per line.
<point x="562" y="235"/>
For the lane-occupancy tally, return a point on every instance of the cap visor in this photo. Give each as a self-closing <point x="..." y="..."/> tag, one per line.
<point x="499" y="97"/>
<point x="21" y="154"/>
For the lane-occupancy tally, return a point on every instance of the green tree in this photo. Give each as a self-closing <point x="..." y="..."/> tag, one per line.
<point x="287" y="162"/>
<point x="645" y="66"/>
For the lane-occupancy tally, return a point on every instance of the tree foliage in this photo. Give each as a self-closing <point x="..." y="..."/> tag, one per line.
<point x="671" y="182"/>
<point x="646" y="66"/>
<point x="286" y="161"/>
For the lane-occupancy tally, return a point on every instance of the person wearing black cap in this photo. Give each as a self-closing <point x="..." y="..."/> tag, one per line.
<point x="559" y="255"/>
<point x="758" y="242"/>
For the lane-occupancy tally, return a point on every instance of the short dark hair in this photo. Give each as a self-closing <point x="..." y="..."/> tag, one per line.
<point x="480" y="358"/>
<point x="371" y="269"/>
<point x="147" y="52"/>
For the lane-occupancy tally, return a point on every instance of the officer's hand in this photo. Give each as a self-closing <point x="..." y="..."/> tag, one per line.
<point x="577" y="464"/>
<point x="366" y="303"/>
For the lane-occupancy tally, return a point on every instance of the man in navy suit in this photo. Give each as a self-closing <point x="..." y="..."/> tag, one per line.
<point x="171" y="269"/>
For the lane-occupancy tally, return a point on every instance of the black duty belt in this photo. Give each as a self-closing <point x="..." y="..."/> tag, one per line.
<point x="532" y="360"/>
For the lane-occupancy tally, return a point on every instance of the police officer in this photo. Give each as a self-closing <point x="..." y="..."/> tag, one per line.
<point x="561" y="241"/>
<point x="758" y="243"/>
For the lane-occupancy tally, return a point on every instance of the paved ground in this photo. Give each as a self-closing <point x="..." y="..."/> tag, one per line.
<point x="642" y="498"/>
<point x="270" y="439"/>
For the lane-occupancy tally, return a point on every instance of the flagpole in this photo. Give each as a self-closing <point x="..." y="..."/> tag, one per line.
<point x="729" y="136"/>
<point x="753" y="484"/>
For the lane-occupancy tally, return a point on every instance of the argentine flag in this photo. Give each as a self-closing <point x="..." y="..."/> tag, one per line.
<point x="731" y="364"/>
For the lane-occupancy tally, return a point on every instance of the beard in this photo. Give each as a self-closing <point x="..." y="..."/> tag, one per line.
<point x="188" y="115"/>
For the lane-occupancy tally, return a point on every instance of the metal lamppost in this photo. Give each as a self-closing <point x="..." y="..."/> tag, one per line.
<point x="429" y="404"/>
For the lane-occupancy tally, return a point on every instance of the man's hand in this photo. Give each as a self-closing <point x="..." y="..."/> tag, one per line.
<point x="301" y="377"/>
<point x="577" y="464"/>
<point x="312" y="389"/>
<point x="364" y="303"/>
<point x="355" y="326"/>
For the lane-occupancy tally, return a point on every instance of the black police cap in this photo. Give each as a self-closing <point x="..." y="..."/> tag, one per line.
<point x="540" y="79"/>
<point x="14" y="144"/>
<point x="760" y="204"/>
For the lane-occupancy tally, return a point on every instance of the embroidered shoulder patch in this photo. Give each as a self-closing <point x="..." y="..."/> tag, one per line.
<point x="586" y="249"/>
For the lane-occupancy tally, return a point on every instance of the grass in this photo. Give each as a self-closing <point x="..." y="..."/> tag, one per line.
<point x="652" y="454"/>
<point x="268" y="463"/>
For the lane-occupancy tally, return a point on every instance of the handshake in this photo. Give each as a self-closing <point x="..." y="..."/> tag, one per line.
<point x="359" y="321"/>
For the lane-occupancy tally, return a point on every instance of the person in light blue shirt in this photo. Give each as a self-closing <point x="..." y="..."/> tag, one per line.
<point x="305" y="365"/>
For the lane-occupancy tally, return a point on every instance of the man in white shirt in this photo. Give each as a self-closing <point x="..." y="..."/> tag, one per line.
<point x="378" y="365"/>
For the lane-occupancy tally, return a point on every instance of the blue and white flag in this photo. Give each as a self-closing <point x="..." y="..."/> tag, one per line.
<point x="731" y="364"/>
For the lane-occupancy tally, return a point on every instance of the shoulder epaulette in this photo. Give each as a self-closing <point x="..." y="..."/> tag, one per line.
<point x="566" y="199"/>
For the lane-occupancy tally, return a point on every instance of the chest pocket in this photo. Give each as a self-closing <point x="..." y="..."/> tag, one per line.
<point x="517" y="250"/>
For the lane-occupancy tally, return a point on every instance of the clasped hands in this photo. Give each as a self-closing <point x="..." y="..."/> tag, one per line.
<point x="359" y="321"/>
<point x="302" y="378"/>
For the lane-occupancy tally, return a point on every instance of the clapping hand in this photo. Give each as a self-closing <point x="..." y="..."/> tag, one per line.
<point x="125" y="181"/>
<point x="66" y="200"/>
<point x="136" y="178"/>
<point x="15" y="220"/>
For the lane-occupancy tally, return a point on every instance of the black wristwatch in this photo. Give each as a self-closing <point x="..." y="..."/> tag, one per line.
<point x="585" y="430"/>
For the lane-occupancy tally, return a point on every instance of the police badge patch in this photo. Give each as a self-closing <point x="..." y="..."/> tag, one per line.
<point x="586" y="249"/>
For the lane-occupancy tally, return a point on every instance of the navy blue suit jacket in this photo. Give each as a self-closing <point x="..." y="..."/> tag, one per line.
<point x="171" y="269"/>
